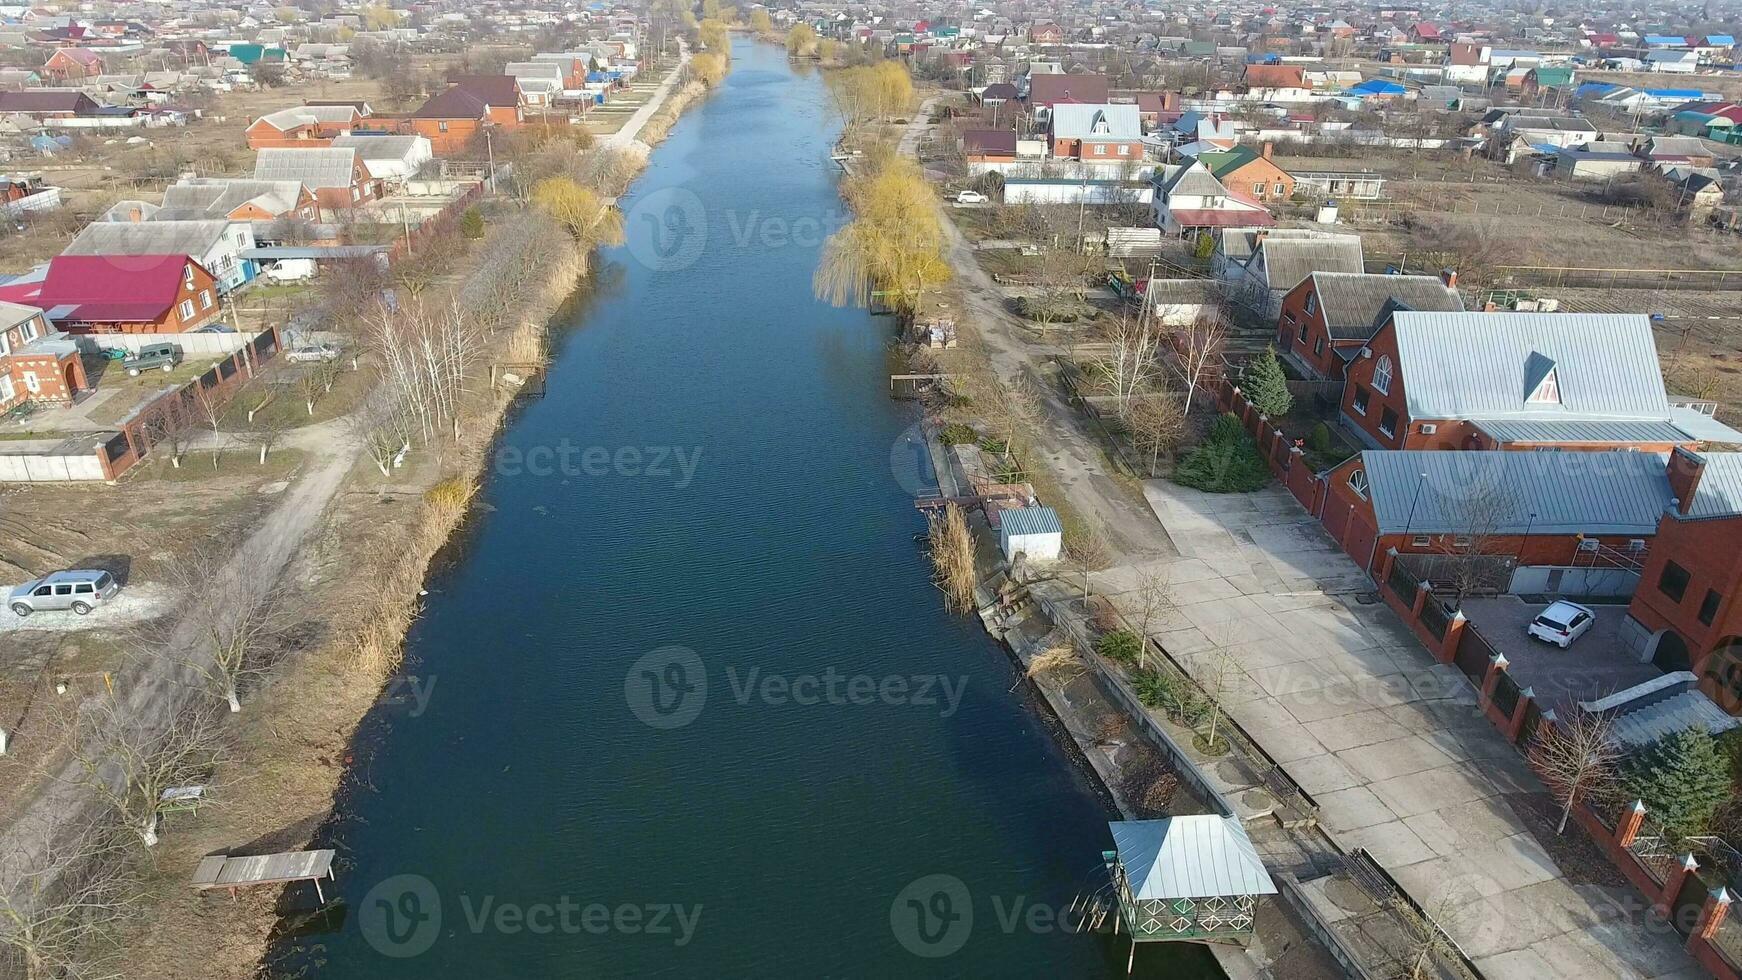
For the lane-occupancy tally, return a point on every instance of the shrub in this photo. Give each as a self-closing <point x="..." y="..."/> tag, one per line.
<point x="1319" y="439"/>
<point x="1682" y="779"/>
<point x="958" y="433"/>
<point x="1226" y="462"/>
<point x="1119" y="646"/>
<point x="450" y="493"/>
<point x="472" y="224"/>
<point x="1266" y="385"/>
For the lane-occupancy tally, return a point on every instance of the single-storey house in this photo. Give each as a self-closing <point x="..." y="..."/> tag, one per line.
<point x="217" y="245"/>
<point x="336" y="175"/>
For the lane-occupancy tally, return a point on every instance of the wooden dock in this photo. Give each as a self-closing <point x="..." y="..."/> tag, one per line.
<point x="220" y="871"/>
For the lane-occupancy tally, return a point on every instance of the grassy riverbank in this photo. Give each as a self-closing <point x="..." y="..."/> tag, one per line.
<point x="295" y="749"/>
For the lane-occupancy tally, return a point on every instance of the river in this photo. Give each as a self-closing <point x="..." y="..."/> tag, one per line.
<point x="687" y="702"/>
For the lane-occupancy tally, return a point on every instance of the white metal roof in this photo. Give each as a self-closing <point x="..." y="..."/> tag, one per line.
<point x="1197" y="856"/>
<point x="1497" y="491"/>
<point x="1106" y="122"/>
<point x="325" y="166"/>
<point x="1478" y="365"/>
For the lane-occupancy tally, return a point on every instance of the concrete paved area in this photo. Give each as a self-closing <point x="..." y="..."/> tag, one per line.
<point x="1595" y="666"/>
<point x="1265" y="608"/>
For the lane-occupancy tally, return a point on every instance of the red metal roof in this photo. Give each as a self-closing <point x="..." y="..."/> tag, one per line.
<point x="109" y="288"/>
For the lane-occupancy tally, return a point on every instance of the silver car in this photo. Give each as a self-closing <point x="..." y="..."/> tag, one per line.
<point x="80" y="590"/>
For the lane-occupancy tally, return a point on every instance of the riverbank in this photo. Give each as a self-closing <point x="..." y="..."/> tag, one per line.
<point x="296" y="746"/>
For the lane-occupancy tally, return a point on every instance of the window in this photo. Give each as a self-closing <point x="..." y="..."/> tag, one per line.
<point x="1280" y="188"/>
<point x="1258" y="189"/>
<point x="1419" y="541"/>
<point x="29" y="331"/>
<point x="1388" y="423"/>
<point x="187" y="309"/>
<point x="442" y="126"/>
<point x="84" y="588"/>
<point x="187" y="275"/>
<point x="1124" y="150"/>
<point x="1318" y="346"/>
<point x="1304" y="327"/>
<point x="1382" y="375"/>
<point x="1673" y="581"/>
<point x="1461" y="540"/>
<point x="1360" y="400"/>
<point x="1709" y="606"/>
<point x="7" y="390"/>
<point x="1358" y="483"/>
<point x="32" y="383"/>
<point x="1312" y="303"/>
<point x="205" y="299"/>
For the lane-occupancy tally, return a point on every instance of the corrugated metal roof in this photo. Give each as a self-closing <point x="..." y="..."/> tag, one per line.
<point x="1720" y="490"/>
<point x="1030" y="520"/>
<point x="1472" y="365"/>
<point x="325" y="166"/>
<point x="1353" y="301"/>
<point x="1612" y="492"/>
<point x="1620" y="431"/>
<point x="190" y="238"/>
<point x="1197" y="856"/>
<point x="1698" y="425"/>
<point x="1288" y="260"/>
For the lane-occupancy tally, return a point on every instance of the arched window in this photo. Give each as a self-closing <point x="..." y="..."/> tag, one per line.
<point x="1358" y="483"/>
<point x="1382" y="375"/>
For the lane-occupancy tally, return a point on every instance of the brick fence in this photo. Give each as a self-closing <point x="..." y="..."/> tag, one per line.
<point x="152" y="423"/>
<point x="1286" y="459"/>
<point x="1664" y="876"/>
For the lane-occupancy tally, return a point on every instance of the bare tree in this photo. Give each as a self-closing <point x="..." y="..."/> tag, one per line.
<point x="1197" y="352"/>
<point x="1157" y="424"/>
<point x="56" y="919"/>
<point x="1578" y="758"/>
<point x="1482" y="513"/>
<point x="128" y="761"/>
<point x="316" y="380"/>
<point x="1088" y="551"/>
<point x="171" y="423"/>
<point x="268" y="429"/>
<point x="235" y="609"/>
<point x="1132" y="363"/>
<point x="210" y="410"/>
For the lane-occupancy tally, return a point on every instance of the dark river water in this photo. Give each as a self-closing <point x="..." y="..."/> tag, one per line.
<point x="688" y="704"/>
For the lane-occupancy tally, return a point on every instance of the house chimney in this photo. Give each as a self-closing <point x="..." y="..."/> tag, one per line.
<point x="1449" y="276"/>
<point x="1269" y="149"/>
<point x="1685" y="470"/>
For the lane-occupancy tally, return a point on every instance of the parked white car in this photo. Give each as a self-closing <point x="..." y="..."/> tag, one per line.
<point x="970" y="197"/>
<point x="309" y="353"/>
<point x="290" y="270"/>
<point x="1562" y="623"/>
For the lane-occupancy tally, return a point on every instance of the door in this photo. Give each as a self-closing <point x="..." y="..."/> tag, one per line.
<point x="63" y="596"/>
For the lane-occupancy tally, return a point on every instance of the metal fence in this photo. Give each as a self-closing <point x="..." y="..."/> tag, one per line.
<point x="1474" y="655"/>
<point x="1435" y="618"/>
<point x="1506" y="695"/>
<point x="1728" y="937"/>
<point x="1402" y="582"/>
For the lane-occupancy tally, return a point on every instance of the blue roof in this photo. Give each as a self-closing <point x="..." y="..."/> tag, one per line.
<point x="1665" y="39"/>
<point x="1030" y="520"/>
<point x="1594" y="88"/>
<point x="1377" y="86"/>
<point x="1723" y="39"/>
<point x="1675" y="93"/>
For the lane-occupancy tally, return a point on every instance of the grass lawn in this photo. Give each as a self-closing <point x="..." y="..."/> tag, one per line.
<point x="286" y="409"/>
<point x="134" y="391"/>
<point x="242" y="460"/>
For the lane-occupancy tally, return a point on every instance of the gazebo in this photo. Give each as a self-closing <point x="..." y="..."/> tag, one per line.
<point x="1186" y="879"/>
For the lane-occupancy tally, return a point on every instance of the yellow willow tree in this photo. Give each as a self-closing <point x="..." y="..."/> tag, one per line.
<point x="760" y="22"/>
<point x="586" y="215"/>
<point x="894" y="246"/>
<point x="713" y="36"/>
<point x="891" y="87"/>
<point x="708" y="68"/>
<point x="800" y="40"/>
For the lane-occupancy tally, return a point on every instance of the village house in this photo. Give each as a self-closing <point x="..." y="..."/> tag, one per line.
<point x="1261" y="266"/>
<point x="235" y="199"/>
<point x="97" y="294"/>
<point x="306" y="125"/>
<point x="453" y="118"/>
<point x="1102" y="134"/>
<point x="36" y="362"/>
<point x="73" y="65"/>
<point x="1328" y="317"/>
<point x="1251" y="172"/>
<point x="45" y="104"/>
<point x="1189" y="199"/>
<point x="218" y="246"/>
<point x="391" y="158"/>
<point x="336" y="176"/>
<point x="1046" y="91"/>
<point x="1470" y="381"/>
<point x="989" y="145"/>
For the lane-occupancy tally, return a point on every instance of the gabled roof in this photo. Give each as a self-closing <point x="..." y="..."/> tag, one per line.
<point x="455" y="103"/>
<point x="1050" y="89"/>
<point x="190" y="238"/>
<point x="1199" y="856"/>
<point x="111" y="288"/>
<point x="1476" y="365"/>
<point x="314" y="167"/>
<point x="1353" y="302"/>
<point x="1289" y="259"/>
<point x="1191" y="180"/>
<point x="497" y="91"/>
<point x="1224" y="162"/>
<point x="198" y="197"/>
<point x="1096" y="122"/>
<point x="994" y="142"/>
<point x="46" y="100"/>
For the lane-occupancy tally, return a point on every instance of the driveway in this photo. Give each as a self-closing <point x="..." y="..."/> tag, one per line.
<point x="1387" y="740"/>
<point x="1595" y="666"/>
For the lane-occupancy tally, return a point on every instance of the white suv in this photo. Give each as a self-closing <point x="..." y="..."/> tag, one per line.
<point x="1562" y="623"/>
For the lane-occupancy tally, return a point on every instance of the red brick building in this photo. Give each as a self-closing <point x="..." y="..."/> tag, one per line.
<point x="1516" y="381"/>
<point x="1328" y="316"/>
<point x="36" y="363"/>
<point x="455" y="117"/>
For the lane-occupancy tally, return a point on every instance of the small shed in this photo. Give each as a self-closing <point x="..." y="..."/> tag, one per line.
<point x="1190" y="878"/>
<point x="1031" y="531"/>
